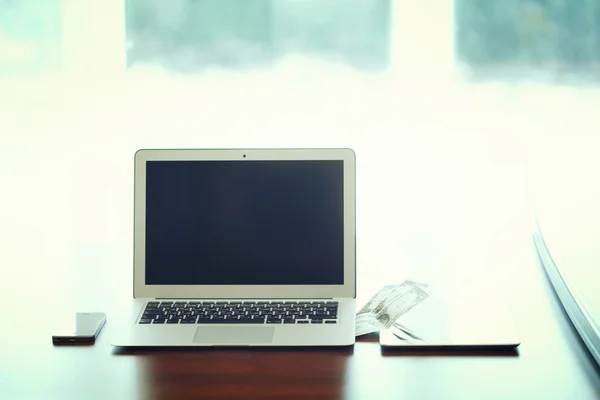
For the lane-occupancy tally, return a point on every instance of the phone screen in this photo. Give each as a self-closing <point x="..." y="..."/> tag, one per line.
<point x="81" y="327"/>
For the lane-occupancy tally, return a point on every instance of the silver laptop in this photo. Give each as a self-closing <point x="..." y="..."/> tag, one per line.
<point x="243" y="247"/>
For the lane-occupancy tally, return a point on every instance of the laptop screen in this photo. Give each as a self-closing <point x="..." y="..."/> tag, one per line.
<point x="245" y="222"/>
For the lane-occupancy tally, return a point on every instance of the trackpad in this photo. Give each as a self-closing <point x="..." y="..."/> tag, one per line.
<point x="234" y="334"/>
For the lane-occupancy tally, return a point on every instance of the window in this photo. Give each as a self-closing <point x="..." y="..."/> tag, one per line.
<point x="556" y="39"/>
<point x="30" y="33"/>
<point x="192" y="35"/>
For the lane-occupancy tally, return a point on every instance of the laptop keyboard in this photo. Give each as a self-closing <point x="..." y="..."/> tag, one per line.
<point x="240" y="312"/>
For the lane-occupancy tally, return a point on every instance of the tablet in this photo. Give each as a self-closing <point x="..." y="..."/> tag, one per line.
<point x="454" y="324"/>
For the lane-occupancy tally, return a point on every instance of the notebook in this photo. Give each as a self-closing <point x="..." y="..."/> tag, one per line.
<point x="243" y="247"/>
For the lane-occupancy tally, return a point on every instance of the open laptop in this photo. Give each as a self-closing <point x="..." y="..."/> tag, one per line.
<point x="243" y="247"/>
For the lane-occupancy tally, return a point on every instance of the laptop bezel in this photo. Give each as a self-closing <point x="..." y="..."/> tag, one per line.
<point x="346" y="290"/>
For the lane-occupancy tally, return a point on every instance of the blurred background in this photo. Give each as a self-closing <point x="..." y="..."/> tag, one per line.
<point x="464" y="115"/>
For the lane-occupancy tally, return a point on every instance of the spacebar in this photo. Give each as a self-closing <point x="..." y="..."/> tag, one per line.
<point x="230" y="321"/>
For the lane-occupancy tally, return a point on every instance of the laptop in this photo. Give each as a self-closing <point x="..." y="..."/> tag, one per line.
<point x="239" y="247"/>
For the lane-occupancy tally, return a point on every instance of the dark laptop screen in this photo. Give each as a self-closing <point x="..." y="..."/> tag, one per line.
<point x="244" y="222"/>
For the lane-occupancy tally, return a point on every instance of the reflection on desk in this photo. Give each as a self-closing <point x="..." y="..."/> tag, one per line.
<point x="242" y="373"/>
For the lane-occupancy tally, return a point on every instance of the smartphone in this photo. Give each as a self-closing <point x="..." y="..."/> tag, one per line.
<point x="83" y="328"/>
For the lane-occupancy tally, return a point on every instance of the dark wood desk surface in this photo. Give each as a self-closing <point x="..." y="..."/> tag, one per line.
<point x="550" y="363"/>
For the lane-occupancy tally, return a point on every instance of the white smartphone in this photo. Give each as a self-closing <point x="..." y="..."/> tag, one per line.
<point x="83" y="328"/>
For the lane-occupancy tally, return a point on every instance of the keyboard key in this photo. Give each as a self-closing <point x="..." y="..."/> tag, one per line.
<point x="187" y="321"/>
<point x="195" y="302"/>
<point x="302" y="321"/>
<point x="231" y="321"/>
<point x="251" y="321"/>
<point x="173" y="321"/>
<point x="289" y="321"/>
<point x="290" y="302"/>
<point x="159" y="321"/>
<point x="145" y="321"/>
<point x="331" y="322"/>
<point x="204" y="320"/>
<point x="151" y="315"/>
<point x="316" y="321"/>
<point x="255" y="314"/>
<point x="153" y="304"/>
